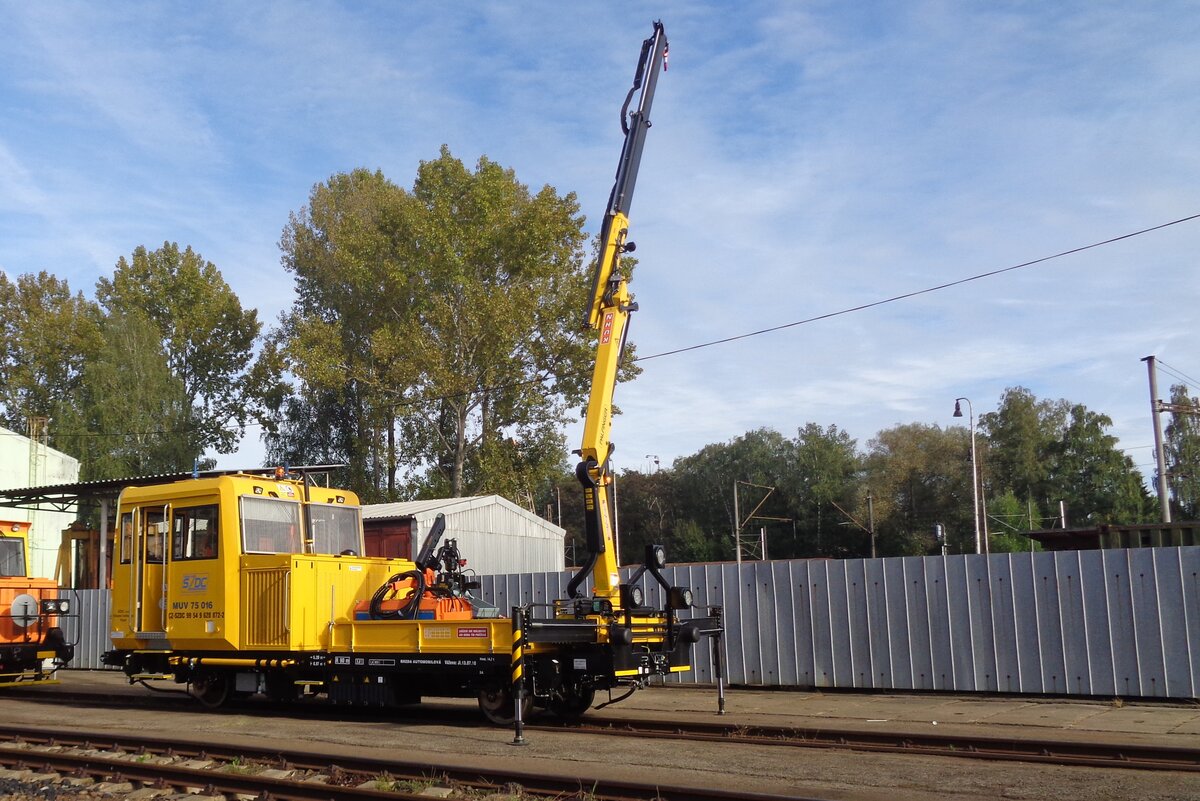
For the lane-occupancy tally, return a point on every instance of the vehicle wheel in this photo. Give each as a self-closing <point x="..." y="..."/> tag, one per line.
<point x="498" y="706"/>
<point x="573" y="703"/>
<point x="211" y="689"/>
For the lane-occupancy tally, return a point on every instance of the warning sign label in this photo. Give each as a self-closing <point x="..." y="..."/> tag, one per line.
<point x="480" y="632"/>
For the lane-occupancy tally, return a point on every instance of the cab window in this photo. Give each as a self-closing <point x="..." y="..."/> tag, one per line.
<point x="270" y="525"/>
<point x="194" y="533"/>
<point x="12" y="556"/>
<point x="126" y="537"/>
<point x="334" y="529"/>
<point x="155" y="534"/>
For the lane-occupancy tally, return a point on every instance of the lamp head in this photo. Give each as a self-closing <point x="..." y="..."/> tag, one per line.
<point x="957" y="409"/>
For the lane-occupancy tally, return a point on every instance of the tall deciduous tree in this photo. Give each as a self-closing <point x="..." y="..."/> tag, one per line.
<point x="1019" y="435"/>
<point x="444" y="317"/>
<point x="1098" y="482"/>
<point x="47" y="335"/>
<point x="1182" y="448"/>
<point x="825" y="474"/>
<point x="705" y="485"/>
<point x="131" y="415"/>
<point x="921" y="476"/>
<point x="207" y="336"/>
<point x="1048" y="453"/>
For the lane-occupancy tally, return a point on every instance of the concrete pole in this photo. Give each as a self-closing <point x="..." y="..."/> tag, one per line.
<point x="871" y="520"/>
<point x="102" y="568"/>
<point x="737" y="525"/>
<point x="1164" y="499"/>
<point x="974" y="470"/>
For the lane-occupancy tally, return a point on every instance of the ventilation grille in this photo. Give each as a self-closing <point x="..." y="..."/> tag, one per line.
<point x="264" y="607"/>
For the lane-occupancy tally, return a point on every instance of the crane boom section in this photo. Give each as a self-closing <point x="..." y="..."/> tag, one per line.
<point x="634" y="124"/>
<point x="608" y="311"/>
<point x="593" y="471"/>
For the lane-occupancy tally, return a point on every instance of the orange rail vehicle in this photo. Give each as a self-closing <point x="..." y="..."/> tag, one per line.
<point x="32" y="646"/>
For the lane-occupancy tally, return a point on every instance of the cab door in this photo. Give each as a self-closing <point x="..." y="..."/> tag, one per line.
<point x="152" y="533"/>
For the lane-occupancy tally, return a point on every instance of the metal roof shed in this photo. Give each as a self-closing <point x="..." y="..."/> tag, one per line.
<point x="494" y="535"/>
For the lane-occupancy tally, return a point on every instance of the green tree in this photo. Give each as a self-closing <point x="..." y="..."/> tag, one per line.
<point x="131" y="415"/>
<point x="1182" y="451"/>
<point x="1008" y="518"/>
<point x="646" y="513"/>
<point x="294" y="439"/>
<point x="354" y="297"/>
<point x="445" y="315"/>
<point x="207" y="336"/>
<point x="47" y="335"/>
<point x="705" y="481"/>
<point x="1052" y="452"/>
<point x="1097" y="481"/>
<point x="826" y="469"/>
<point x="920" y="476"/>
<point x="1019" y="435"/>
<point x="691" y="543"/>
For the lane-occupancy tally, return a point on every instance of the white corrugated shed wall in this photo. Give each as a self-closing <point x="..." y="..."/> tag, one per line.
<point x="19" y="470"/>
<point x="494" y="535"/>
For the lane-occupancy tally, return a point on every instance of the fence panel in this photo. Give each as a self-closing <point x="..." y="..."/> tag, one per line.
<point x="88" y="627"/>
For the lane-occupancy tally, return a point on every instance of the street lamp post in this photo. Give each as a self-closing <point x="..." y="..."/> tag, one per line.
<point x="974" y="467"/>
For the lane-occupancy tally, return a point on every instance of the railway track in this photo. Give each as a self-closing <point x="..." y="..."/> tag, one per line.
<point x="127" y="762"/>
<point x="1058" y="752"/>
<point x="1080" y="752"/>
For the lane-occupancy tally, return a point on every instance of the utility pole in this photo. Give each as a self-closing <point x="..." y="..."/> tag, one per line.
<point x="871" y="521"/>
<point x="738" y="523"/>
<point x="870" y="527"/>
<point x="1164" y="499"/>
<point x="974" y="468"/>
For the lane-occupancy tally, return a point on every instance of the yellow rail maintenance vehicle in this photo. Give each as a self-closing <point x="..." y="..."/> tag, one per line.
<point x="244" y="584"/>
<point x="32" y="646"/>
<point x="254" y="584"/>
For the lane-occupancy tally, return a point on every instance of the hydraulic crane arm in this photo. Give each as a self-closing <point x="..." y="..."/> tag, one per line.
<point x="634" y="125"/>
<point x="608" y="311"/>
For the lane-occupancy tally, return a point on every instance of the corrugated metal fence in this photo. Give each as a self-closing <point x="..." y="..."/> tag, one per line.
<point x="1112" y="622"/>
<point x="89" y="628"/>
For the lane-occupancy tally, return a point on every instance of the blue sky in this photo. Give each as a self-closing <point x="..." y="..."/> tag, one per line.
<point x="806" y="157"/>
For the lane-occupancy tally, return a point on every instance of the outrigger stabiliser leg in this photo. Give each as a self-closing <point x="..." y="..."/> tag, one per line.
<point x="718" y="641"/>
<point x="518" y="674"/>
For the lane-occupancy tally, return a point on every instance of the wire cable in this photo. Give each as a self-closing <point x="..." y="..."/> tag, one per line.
<point x="1175" y="371"/>
<point x="829" y="315"/>
<point x="918" y="292"/>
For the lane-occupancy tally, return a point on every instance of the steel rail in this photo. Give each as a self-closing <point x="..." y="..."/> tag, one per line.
<point x="142" y="769"/>
<point x="206" y="781"/>
<point x="1060" y="752"/>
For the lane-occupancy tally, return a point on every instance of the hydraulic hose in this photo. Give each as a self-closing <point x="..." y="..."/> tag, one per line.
<point x="408" y="610"/>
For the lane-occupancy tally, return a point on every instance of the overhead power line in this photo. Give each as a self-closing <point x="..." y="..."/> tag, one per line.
<point x="1175" y="371"/>
<point x="918" y="292"/>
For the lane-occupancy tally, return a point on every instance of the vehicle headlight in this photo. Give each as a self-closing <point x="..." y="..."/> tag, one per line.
<point x="55" y="606"/>
<point x="679" y="598"/>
